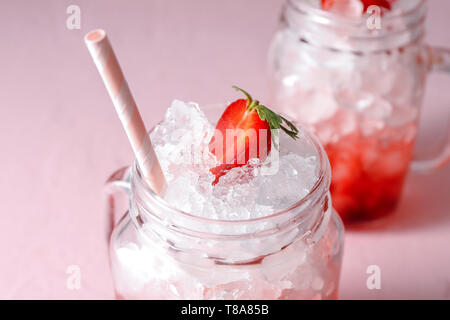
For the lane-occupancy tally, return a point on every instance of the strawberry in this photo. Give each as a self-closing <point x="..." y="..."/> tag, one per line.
<point x="387" y="4"/>
<point x="327" y="4"/>
<point x="243" y="132"/>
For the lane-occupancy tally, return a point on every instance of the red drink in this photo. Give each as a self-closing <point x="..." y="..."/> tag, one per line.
<point x="369" y="171"/>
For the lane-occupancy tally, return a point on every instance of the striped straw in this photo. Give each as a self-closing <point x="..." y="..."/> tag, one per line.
<point x="109" y="69"/>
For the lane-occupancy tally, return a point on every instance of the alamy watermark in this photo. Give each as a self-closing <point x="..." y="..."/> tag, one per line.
<point x="374" y="280"/>
<point x="374" y="20"/>
<point x="74" y="20"/>
<point x="73" y="281"/>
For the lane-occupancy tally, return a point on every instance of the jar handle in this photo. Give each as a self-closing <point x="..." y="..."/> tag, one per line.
<point x="438" y="60"/>
<point x="118" y="183"/>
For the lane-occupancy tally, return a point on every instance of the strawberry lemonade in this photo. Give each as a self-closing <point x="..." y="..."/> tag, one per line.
<point x="353" y="72"/>
<point x="236" y="220"/>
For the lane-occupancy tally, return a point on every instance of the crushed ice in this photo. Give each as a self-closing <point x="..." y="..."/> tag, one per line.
<point x="181" y="143"/>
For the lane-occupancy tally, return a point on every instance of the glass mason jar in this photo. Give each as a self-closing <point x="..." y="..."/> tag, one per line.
<point x="160" y="252"/>
<point x="359" y="89"/>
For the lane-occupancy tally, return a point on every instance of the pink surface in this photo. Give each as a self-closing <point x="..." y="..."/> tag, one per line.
<point x="61" y="139"/>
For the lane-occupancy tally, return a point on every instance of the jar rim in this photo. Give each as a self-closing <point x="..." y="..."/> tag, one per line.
<point x="322" y="183"/>
<point x="327" y="17"/>
<point x="327" y="30"/>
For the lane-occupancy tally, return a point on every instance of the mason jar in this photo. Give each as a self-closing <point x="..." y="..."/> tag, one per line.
<point x="160" y="252"/>
<point x="358" y="83"/>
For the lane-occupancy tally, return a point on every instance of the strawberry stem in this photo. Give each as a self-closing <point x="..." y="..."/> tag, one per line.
<point x="274" y="120"/>
<point x="249" y="97"/>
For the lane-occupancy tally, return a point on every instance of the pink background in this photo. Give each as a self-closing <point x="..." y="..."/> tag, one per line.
<point x="60" y="138"/>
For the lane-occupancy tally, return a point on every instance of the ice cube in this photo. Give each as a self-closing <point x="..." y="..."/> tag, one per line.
<point x="380" y="109"/>
<point x="379" y="72"/>
<point x="314" y="106"/>
<point x="343" y="123"/>
<point x="373" y="117"/>
<point x="180" y="140"/>
<point x="184" y="195"/>
<point x="393" y="162"/>
<point x="352" y="99"/>
<point x="294" y="179"/>
<point x="402" y="92"/>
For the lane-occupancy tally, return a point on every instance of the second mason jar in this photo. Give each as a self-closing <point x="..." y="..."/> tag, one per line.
<point x="358" y="87"/>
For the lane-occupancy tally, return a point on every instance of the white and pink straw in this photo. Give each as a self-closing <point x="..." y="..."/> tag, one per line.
<point x="109" y="69"/>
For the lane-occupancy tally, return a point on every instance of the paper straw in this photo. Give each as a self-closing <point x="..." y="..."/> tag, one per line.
<point x="109" y="69"/>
